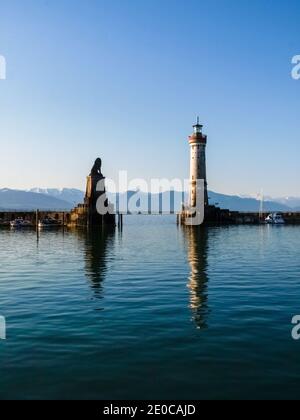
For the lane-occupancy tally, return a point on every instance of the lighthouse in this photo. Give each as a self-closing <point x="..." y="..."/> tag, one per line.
<point x="198" y="143"/>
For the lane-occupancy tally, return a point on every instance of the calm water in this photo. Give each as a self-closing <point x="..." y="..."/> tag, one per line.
<point x="154" y="312"/>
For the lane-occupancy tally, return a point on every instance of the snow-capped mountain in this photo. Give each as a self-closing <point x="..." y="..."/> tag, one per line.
<point x="70" y="195"/>
<point x="66" y="199"/>
<point x="292" y="202"/>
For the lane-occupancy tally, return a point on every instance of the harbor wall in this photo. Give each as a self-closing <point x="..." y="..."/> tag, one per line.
<point x="292" y="218"/>
<point x="216" y="216"/>
<point x="31" y="216"/>
<point x="77" y="217"/>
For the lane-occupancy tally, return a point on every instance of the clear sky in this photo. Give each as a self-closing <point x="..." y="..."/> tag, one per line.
<point x="125" y="80"/>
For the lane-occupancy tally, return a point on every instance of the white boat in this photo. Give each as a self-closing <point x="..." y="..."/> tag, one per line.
<point x="20" y="223"/>
<point x="275" y="219"/>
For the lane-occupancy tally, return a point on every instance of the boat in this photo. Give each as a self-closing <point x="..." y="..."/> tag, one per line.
<point x="20" y="223"/>
<point x="49" y="223"/>
<point x="275" y="219"/>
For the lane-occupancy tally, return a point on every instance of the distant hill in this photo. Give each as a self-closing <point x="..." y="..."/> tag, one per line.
<point x="236" y="203"/>
<point x="233" y="203"/>
<point x="66" y="199"/>
<point x="24" y="200"/>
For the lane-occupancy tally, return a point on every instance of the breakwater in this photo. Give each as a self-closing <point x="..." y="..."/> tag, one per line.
<point x="35" y="216"/>
<point x="217" y="216"/>
<point x="292" y="218"/>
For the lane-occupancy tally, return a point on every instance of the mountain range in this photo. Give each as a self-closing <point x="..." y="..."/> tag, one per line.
<point x="27" y="200"/>
<point x="66" y="199"/>
<point x="69" y="195"/>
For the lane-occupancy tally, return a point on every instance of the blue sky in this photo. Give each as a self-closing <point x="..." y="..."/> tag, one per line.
<point x="125" y="80"/>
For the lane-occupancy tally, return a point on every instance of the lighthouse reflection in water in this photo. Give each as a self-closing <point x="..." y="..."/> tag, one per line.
<point x="197" y="248"/>
<point x="99" y="251"/>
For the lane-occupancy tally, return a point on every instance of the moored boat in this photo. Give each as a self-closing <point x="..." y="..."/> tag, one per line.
<point x="49" y="223"/>
<point x="275" y="219"/>
<point x="20" y="223"/>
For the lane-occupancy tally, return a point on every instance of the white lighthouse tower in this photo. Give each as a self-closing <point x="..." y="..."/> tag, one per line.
<point x="198" y="143"/>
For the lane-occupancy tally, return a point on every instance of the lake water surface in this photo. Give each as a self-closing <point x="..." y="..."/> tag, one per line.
<point x="154" y="312"/>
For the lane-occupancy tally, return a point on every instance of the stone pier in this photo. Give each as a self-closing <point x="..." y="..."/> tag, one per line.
<point x="84" y="215"/>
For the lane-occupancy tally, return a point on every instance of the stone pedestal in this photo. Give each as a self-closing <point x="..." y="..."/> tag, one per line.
<point x="87" y="214"/>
